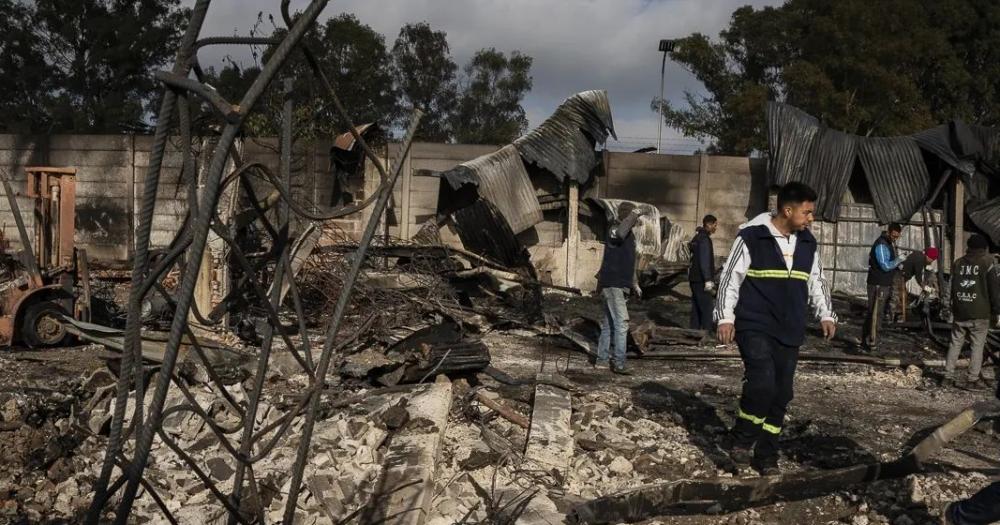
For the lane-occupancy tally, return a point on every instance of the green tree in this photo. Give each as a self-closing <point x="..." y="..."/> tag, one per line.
<point x="871" y="68"/>
<point x="355" y="59"/>
<point x="489" y="106"/>
<point x="86" y="66"/>
<point x="27" y="78"/>
<point x="425" y="76"/>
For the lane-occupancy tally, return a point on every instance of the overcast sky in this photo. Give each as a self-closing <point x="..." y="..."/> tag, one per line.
<point x="576" y="45"/>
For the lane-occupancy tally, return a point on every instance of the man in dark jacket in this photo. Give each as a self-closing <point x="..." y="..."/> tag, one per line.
<point x="701" y="274"/>
<point x="883" y="263"/>
<point x="771" y="277"/>
<point x="975" y="303"/>
<point x="615" y="280"/>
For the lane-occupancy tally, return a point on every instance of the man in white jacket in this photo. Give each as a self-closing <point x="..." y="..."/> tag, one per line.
<point x="771" y="277"/>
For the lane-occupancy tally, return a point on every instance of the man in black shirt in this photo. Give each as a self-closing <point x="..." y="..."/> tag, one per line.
<point x="615" y="280"/>
<point x="701" y="274"/>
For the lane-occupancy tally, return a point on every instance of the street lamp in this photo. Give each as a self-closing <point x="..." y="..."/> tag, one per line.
<point x="666" y="46"/>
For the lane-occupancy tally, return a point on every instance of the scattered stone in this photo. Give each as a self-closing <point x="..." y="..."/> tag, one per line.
<point x="219" y="469"/>
<point x="478" y="459"/>
<point x="620" y="466"/>
<point x="396" y="416"/>
<point x="60" y="470"/>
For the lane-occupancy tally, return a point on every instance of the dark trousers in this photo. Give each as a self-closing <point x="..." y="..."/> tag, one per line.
<point x="981" y="508"/>
<point x="878" y="299"/>
<point x="767" y="390"/>
<point x="701" y="307"/>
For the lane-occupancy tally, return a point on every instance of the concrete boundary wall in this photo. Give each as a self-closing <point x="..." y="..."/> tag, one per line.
<point x="110" y="180"/>
<point x="111" y="169"/>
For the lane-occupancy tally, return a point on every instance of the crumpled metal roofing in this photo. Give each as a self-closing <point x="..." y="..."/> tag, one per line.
<point x="802" y="149"/>
<point x="646" y="229"/>
<point x="987" y="217"/>
<point x="896" y="167"/>
<point x="564" y="143"/>
<point x="789" y="132"/>
<point x="500" y="177"/>
<point x="484" y="231"/>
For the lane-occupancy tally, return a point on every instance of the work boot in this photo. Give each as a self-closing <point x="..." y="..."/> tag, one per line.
<point x="600" y="365"/>
<point x="620" y="370"/>
<point x="978" y="384"/>
<point x="741" y="455"/>
<point x="767" y="466"/>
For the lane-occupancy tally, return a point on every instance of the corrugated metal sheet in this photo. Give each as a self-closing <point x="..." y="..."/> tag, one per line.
<point x="790" y="133"/>
<point x="801" y="149"/>
<point x="897" y="169"/>
<point x="987" y="217"/>
<point x="564" y="143"/>
<point x="484" y="231"/>
<point x="829" y="165"/>
<point x="646" y="229"/>
<point x="500" y="178"/>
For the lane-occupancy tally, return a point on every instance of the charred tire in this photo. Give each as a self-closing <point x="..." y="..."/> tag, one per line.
<point x="41" y="325"/>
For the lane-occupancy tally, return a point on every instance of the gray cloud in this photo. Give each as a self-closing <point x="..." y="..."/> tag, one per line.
<point x="576" y="44"/>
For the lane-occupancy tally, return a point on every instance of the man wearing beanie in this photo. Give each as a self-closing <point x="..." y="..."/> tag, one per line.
<point x="915" y="267"/>
<point x="975" y="304"/>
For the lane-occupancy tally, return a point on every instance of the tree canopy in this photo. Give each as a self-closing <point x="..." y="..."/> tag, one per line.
<point x="489" y="108"/>
<point x="426" y="77"/>
<point x="871" y="68"/>
<point x="83" y="66"/>
<point x="87" y="67"/>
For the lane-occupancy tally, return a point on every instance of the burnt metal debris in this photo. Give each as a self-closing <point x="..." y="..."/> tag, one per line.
<point x="901" y="171"/>
<point x="129" y="447"/>
<point x="735" y="493"/>
<point x="500" y="178"/>
<point x="563" y="145"/>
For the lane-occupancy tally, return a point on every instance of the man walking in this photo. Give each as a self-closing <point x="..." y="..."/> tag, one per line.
<point x="975" y="301"/>
<point x="701" y="274"/>
<point x="772" y="275"/>
<point x="614" y="280"/>
<point x="882" y="266"/>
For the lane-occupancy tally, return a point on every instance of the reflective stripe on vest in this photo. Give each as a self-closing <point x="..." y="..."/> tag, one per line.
<point x="778" y="274"/>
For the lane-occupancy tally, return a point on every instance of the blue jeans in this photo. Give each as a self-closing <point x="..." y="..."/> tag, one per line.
<point x="614" y="326"/>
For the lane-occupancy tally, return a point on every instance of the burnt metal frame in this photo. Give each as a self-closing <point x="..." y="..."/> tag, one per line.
<point x="191" y="242"/>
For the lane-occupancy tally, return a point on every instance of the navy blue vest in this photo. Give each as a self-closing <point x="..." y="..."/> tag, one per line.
<point x="876" y="275"/>
<point x="774" y="300"/>
<point x="618" y="263"/>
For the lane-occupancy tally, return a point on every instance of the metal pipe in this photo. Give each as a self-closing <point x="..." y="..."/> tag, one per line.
<point x="349" y="281"/>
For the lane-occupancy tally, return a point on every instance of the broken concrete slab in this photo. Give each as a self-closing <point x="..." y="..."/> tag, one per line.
<point x="550" y="439"/>
<point x="405" y="490"/>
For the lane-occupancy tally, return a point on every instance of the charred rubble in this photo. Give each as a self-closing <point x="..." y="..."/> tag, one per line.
<point x="360" y="378"/>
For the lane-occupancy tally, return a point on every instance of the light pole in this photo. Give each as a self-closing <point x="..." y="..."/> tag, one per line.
<point x="666" y="46"/>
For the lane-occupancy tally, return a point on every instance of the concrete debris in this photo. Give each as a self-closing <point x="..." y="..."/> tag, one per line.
<point x="550" y="440"/>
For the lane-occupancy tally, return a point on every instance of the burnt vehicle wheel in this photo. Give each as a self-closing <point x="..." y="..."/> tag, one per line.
<point x="41" y="325"/>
